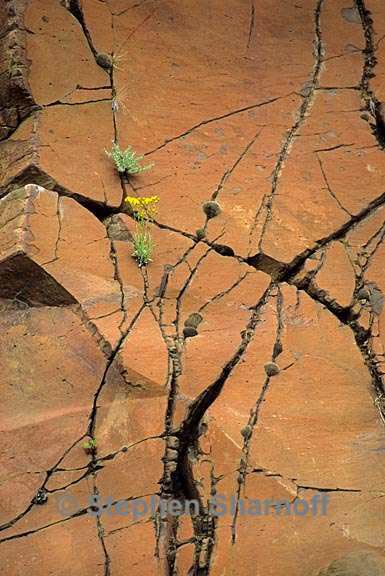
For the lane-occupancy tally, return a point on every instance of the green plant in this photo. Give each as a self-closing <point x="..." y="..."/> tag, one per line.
<point x="144" y="207"/>
<point x="119" y="96"/>
<point x="144" y="210"/>
<point x="143" y="244"/>
<point x="118" y="57"/>
<point x="90" y="446"/>
<point x="127" y="161"/>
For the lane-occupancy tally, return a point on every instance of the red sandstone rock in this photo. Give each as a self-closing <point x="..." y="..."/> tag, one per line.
<point x="259" y="108"/>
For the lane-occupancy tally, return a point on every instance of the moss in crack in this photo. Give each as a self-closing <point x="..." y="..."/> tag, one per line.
<point x="247" y="431"/>
<point x="211" y="209"/>
<point x="200" y="234"/>
<point x="90" y="446"/>
<point x="189" y="332"/>
<point x="104" y="60"/>
<point x="194" y="320"/>
<point x="272" y="369"/>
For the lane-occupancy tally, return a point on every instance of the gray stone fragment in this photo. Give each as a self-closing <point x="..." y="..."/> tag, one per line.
<point x="117" y="229"/>
<point x="376" y="299"/>
<point x="363" y="294"/>
<point x="351" y="14"/>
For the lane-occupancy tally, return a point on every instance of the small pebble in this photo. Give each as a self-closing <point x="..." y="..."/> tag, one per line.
<point x="351" y="14"/>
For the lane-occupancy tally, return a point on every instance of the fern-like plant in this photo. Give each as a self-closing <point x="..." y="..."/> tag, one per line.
<point x="127" y="161"/>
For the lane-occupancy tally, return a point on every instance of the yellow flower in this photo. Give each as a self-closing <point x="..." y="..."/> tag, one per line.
<point x="143" y="206"/>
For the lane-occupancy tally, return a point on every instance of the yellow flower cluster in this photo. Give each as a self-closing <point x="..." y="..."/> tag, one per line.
<point x="143" y="207"/>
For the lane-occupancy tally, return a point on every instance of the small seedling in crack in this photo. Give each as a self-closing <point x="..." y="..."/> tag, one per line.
<point x="90" y="446"/>
<point x="127" y="162"/>
<point x="143" y="209"/>
<point x="117" y="57"/>
<point x="144" y="246"/>
<point x="118" y="97"/>
<point x="41" y="497"/>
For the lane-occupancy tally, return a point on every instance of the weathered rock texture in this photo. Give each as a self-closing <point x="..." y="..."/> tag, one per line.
<point x="247" y="359"/>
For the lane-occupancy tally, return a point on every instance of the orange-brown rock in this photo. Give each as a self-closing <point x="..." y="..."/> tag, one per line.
<point x="246" y="360"/>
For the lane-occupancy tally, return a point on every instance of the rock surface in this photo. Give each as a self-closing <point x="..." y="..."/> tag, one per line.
<point x="246" y="361"/>
<point x="356" y="565"/>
